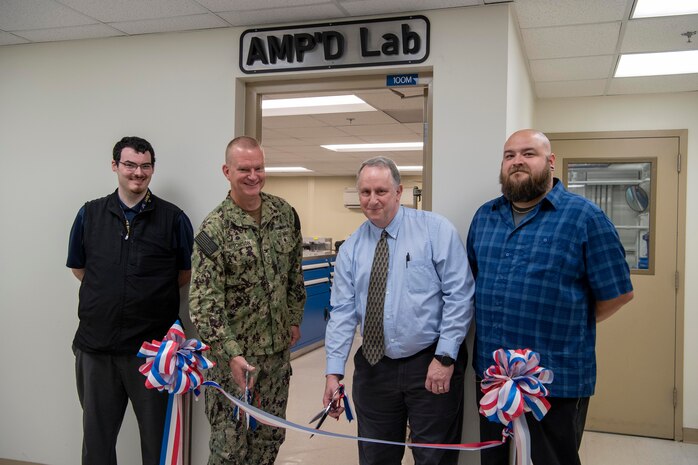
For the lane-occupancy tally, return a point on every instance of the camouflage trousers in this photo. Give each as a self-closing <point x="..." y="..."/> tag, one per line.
<point x="231" y="442"/>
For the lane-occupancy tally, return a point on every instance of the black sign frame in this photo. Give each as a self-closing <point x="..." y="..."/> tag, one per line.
<point x="427" y="41"/>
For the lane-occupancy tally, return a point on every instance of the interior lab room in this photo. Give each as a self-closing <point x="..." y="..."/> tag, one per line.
<point x="77" y="75"/>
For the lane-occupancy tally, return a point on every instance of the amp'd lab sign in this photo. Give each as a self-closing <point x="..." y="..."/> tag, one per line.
<point x="388" y="41"/>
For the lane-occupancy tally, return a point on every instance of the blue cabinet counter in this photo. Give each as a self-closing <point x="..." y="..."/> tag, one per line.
<point x="318" y="272"/>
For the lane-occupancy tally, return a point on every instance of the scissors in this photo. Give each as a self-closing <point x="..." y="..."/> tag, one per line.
<point x="333" y="405"/>
<point x="250" y="422"/>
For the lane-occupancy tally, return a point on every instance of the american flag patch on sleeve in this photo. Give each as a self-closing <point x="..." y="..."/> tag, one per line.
<point x="206" y="244"/>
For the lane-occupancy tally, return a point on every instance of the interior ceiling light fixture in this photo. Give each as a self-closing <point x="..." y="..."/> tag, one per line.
<point x="314" y="105"/>
<point x="407" y="168"/>
<point x="286" y="169"/>
<point x="657" y="64"/>
<point x="386" y="147"/>
<point x="653" y="8"/>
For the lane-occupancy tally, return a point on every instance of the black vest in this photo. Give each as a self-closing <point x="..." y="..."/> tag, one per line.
<point x="129" y="293"/>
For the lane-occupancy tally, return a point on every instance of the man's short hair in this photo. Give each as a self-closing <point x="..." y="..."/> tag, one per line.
<point x="245" y="142"/>
<point x="138" y="144"/>
<point x="383" y="162"/>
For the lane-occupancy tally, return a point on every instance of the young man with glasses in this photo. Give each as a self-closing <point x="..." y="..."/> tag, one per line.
<point x="131" y="251"/>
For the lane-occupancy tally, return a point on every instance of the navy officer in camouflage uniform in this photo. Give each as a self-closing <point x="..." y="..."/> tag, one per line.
<point x="246" y="299"/>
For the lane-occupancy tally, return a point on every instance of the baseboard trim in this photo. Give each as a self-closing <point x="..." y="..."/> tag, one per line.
<point x="690" y="435"/>
<point x="16" y="462"/>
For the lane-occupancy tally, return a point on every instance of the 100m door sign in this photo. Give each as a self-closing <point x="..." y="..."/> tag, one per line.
<point x="335" y="45"/>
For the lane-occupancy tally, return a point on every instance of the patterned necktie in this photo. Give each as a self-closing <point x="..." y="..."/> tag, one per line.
<point x="373" y="326"/>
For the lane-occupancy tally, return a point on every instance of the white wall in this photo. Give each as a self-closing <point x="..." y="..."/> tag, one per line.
<point x="520" y="96"/>
<point x="469" y="106"/>
<point x="65" y="104"/>
<point x="659" y="111"/>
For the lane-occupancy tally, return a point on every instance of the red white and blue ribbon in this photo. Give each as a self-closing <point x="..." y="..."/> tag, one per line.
<point x="513" y="386"/>
<point x="175" y="365"/>
<point x="274" y="421"/>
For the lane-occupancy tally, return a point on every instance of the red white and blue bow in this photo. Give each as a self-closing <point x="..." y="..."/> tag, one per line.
<point x="513" y="386"/>
<point x="175" y="365"/>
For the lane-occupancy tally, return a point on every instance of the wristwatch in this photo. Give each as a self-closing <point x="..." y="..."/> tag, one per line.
<point x="445" y="360"/>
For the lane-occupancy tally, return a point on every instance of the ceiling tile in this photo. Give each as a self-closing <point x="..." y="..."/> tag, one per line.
<point x="308" y="150"/>
<point x="10" y="39"/>
<point x="20" y="15"/>
<point x="378" y="129"/>
<point x="299" y="121"/>
<point x="285" y="159"/>
<point x="282" y="143"/>
<point x="318" y="141"/>
<point x="417" y="128"/>
<point x="660" y="34"/>
<point x="306" y="13"/>
<point x="389" y="138"/>
<point x="571" y="41"/>
<point x="270" y="134"/>
<point x="538" y="13"/>
<point x="91" y="31"/>
<point x="357" y="119"/>
<point x="406" y="116"/>
<point x="400" y="98"/>
<point x="240" y="5"/>
<point x="132" y="10"/>
<point x="310" y="132"/>
<point x="371" y="7"/>
<point x="570" y="88"/>
<point x="568" y="69"/>
<point x="178" y="23"/>
<point x="654" y="84"/>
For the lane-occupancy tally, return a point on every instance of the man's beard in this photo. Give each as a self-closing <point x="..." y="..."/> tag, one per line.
<point x="530" y="188"/>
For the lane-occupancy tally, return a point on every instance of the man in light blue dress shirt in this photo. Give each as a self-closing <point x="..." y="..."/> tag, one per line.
<point x="427" y="312"/>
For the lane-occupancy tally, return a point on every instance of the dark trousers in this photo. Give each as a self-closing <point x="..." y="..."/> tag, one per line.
<point x="105" y="384"/>
<point x="392" y="392"/>
<point x="555" y="440"/>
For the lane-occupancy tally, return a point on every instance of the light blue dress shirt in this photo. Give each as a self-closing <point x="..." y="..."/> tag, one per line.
<point x="429" y="292"/>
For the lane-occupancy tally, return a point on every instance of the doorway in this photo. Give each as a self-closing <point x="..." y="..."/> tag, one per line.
<point x="635" y="178"/>
<point x="322" y="197"/>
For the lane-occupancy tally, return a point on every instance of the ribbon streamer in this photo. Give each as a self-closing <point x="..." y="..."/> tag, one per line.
<point x="175" y="365"/>
<point x="271" y="420"/>
<point x="513" y="386"/>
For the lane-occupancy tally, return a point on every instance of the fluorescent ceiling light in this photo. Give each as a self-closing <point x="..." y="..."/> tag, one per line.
<point x="286" y="169"/>
<point x="651" y="8"/>
<point x="314" y="105"/>
<point x="388" y="147"/>
<point x="657" y="64"/>
<point x="410" y="168"/>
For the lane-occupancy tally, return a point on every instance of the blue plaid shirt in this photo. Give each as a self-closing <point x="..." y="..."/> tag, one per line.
<point x="536" y="285"/>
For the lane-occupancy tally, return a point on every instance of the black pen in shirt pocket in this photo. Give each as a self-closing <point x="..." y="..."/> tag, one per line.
<point x="407" y="260"/>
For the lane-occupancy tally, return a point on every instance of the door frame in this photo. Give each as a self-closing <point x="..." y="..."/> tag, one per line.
<point x="254" y="88"/>
<point x="682" y="135"/>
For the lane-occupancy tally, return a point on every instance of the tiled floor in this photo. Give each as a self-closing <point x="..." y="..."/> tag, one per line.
<point x="307" y="385"/>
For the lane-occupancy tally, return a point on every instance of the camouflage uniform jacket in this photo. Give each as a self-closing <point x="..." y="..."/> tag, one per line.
<point x="247" y="284"/>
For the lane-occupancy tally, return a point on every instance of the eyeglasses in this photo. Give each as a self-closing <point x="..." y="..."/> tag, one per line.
<point x="130" y="166"/>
